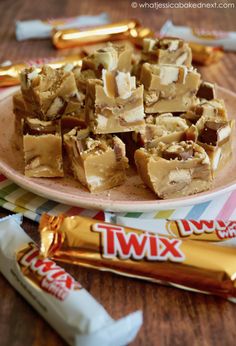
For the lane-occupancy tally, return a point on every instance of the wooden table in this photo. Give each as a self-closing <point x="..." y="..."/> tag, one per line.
<point x="171" y="316"/>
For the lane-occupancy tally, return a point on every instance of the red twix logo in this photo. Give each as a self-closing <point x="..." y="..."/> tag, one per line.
<point x="44" y="272"/>
<point x="223" y="229"/>
<point x="117" y="243"/>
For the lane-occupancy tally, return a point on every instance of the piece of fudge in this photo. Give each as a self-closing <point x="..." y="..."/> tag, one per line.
<point x="174" y="170"/>
<point x="169" y="88"/>
<point x="50" y="93"/>
<point x="164" y="128"/>
<point x="167" y="50"/>
<point x="213" y="109"/>
<point x="114" y="104"/>
<point x="99" y="162"/>
<point x="42" y="145"/>
<point x="20" y="111"/>
<point x="109" y="58"/>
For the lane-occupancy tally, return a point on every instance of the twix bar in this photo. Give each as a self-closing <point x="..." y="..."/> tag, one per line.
<point x="217" y="231"/>
<point x="9" y="75"/>
<point x="194" y="265"/>
<point x="56" y="295"/>
<point x="124" y="30"/>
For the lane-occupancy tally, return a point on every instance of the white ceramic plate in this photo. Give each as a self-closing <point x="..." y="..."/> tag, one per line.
<point x="132" y="196"/>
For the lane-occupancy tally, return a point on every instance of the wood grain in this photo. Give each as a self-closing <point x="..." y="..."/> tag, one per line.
<point x="171" y="316"/>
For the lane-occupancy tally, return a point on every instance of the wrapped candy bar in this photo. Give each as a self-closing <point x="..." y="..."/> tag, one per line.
<point x="36" y="28"/>
<point x="218" y="232"/>
<point x="126" y="29"/>
<point x="227" y="40"/>
<point x="189" y="264"/>
<point x="56" y="295"/>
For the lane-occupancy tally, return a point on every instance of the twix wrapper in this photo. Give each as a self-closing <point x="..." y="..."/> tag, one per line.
<point x="9" y="75"/>
<point x="185" y="263"/>
<point x="216" y="38"/>
<point x="129" y="29"/>
<point x="56" y="295"/>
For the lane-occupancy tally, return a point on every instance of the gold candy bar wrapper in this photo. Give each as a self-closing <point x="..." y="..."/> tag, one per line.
<point x="126" y="29"/>
<point x="9" y="75"/>
<point x="183" y="263"/>
<point x="56" y="295"/>
<point x="205" y="55"/>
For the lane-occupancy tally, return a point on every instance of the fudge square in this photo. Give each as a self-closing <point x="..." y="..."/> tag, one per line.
<point x="98" y="162"/>
<point x="174" y="170"/>
<point x="166" y="50"/>
<point x="114" y="104"/>
<point x="42" y="145"/>
<point x="49" y="93"/>
<point x="169" y="88"/>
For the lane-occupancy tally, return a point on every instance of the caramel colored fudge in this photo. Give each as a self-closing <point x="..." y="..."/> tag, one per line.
<point x="50" y="93"/>
<point x="169" y="88"/>
<point x="20" y="111"/>
<point x="174" y="170"/>
<point x="114" y="104"/>
<point x="109" y="58"/>
<point x="162" y="128"/>
<point x="213" y="109"/>
<point x="166" y="50"/>
<point x="42" y="145"/>
<point x="98" y="163"/>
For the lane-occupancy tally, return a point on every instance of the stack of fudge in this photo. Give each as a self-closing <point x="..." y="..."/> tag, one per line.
<point x="155" y="114"/>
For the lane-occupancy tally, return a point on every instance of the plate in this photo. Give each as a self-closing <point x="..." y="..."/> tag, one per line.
<point x="132" y="196"/>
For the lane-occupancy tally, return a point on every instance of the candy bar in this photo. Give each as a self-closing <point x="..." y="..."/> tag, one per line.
<point x="216" y="138"/>
<point x="56" y="295"/>
<point x="216" y="38"/>
<point x="108" y="58"/>
<point x="50" y="93"/>
<point x="98" y="163"/>
<point x="114" y="104"/>
<point x="188" y="264"/>
<point x="37" y="28"/>
<point x="126" y="29"/>
<point x="219" y="232"/>
<point x="174" y="170"/>
<point x="166" y="51"/>
<point x="169" y="88"/>
<point x="42" y="145"/>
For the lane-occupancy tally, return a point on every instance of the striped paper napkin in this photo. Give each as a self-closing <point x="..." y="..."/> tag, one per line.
<point x="18" y="200"/>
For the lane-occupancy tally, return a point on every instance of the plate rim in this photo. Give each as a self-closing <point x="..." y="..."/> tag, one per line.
<point x="112" y="205"/>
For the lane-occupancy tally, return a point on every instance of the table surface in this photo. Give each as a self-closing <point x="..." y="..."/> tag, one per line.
<point x="171" y="316"/>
